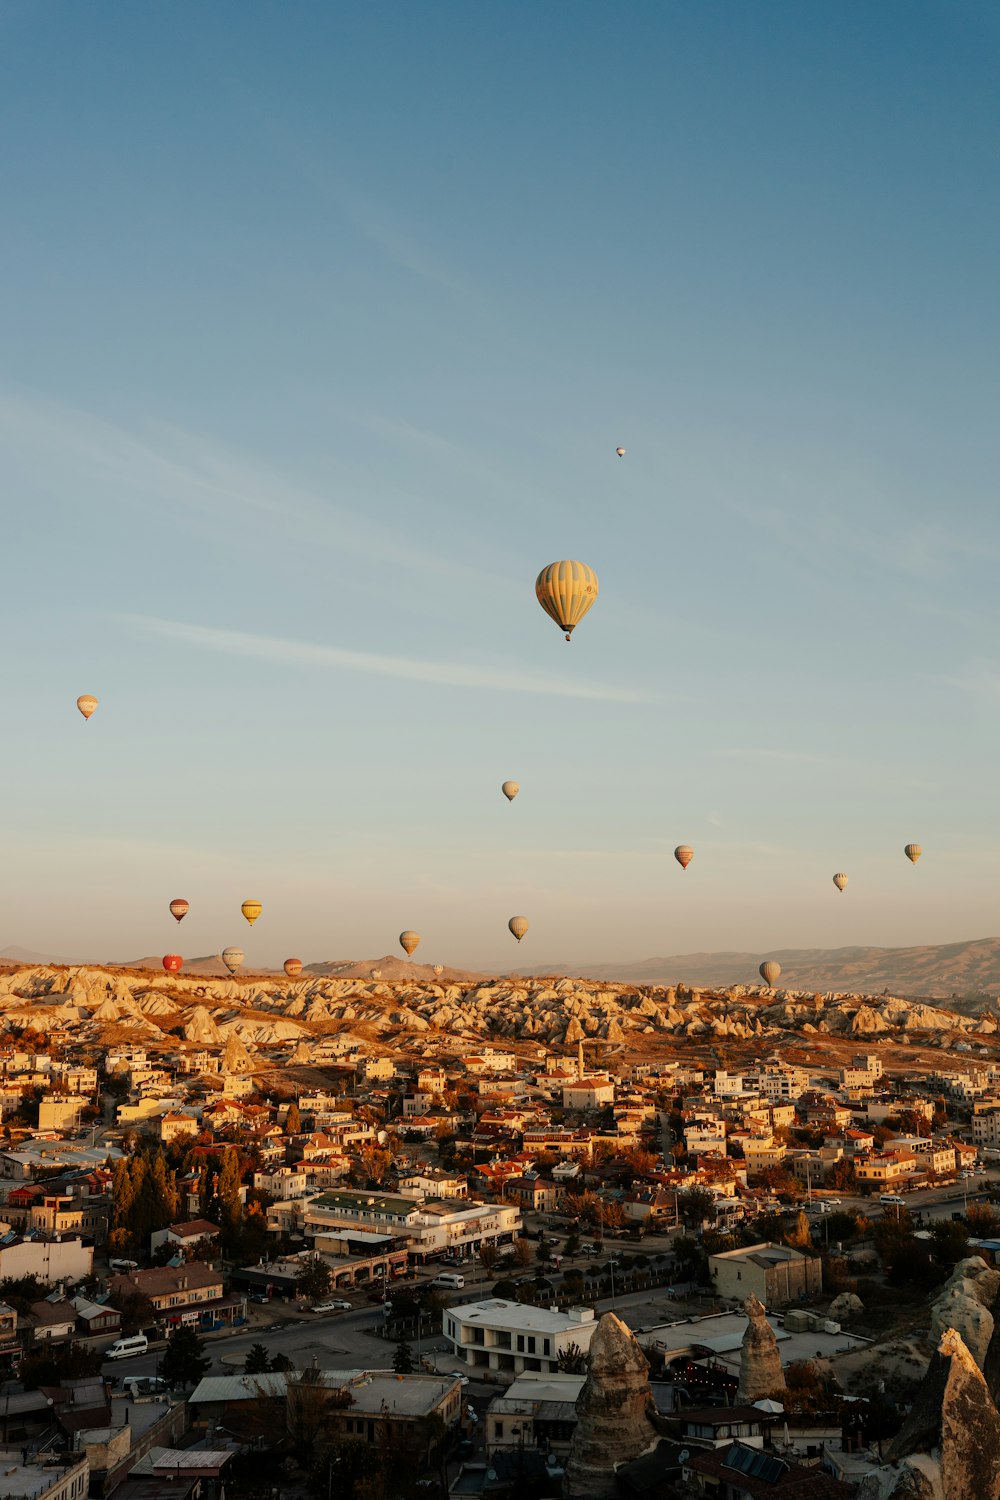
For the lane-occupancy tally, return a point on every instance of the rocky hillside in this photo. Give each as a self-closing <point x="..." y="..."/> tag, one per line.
<point x="969" y="968"/>
<point x="268" y="1011"/>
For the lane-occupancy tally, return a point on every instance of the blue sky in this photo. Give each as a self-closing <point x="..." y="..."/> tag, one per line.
<point x="320" y="326"/>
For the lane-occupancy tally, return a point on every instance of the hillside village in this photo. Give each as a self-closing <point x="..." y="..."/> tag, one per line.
<point x="256" y="1233"/>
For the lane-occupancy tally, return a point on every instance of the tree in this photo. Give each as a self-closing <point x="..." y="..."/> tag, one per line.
<point x="571" y="1360"/>
<point x="184" y="1361"/>
<point x="402" y="1359"/>
<point x="543" y="1252"/>
<point x="51" y="1365"/>
<point x="521" y="1251"/>
<point x="799" y="1233"/>
<point x="257" y="1361"/>
<point x="488" y="1257"/>
<point x="293" y="1121"/>
<point x="314" y="1278"/>
<point x="695" y="1206"/>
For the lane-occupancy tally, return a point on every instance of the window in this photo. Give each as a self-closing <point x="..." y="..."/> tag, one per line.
<point x="520" y="1343"/>
<point x="547" y="1346"/>
<point x="531" y="1344"/>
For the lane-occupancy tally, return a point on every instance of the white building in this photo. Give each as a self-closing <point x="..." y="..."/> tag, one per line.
<point x="705" y="1136"/>
<point x="514" y="1337"/>
<point x="588" y="1093"/>
<point x="429" y="1226"/>
<point x="784" y="1083"/>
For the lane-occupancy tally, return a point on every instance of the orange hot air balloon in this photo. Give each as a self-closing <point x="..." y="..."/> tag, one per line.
<point x="86" y="704"/>
<point x="179" y="908"/>
<point x="684" y="854"/>
<point x="173" y="963"/>
<point x="408" y="941"/>
<point x="292" y="967"/>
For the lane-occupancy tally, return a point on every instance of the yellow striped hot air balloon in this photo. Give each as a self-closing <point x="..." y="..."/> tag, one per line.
<point x="86" y="703"/>
<point x="566" y="590"/>
<point x="913" y="852"/>
<point x="840" y="880"/>
<point x="770" y="972"/>
<point x="518" y="926"/>
<point x="510" y="790"/>
<point x="251" y="910"/>
<point x="408" y="941"/>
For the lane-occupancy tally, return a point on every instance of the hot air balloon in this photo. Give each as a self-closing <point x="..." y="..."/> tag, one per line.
<point x="408" y="941"/>
<point x="232" y="958"/>
<point x="518" y="926"/>
<point x="913" y="852"/>
<point x="510" y="790"/>
<point x="251" y="910"/>
<point x="179" y="908"/>
<point x="566" y="590"/>
<point x="173" y="963"/>
<point x="376" y="973"/>
<point x="684" y="854"/>
<point x="86" y="704"/>
<point x="438" y="970"/>
<point x="292" y="967"/>
<point x="840" y="880"/>
<point x="770" y="972"/>
<point x="620" y="452"/>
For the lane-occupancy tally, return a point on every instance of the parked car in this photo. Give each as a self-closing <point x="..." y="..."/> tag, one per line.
<point x="337" y="1304"/>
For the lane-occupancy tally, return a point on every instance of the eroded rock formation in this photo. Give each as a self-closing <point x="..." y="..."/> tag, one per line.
<point x="949" y="1446"/>
<point x="760" y="1362"/>
<point x="614" y="1413"/>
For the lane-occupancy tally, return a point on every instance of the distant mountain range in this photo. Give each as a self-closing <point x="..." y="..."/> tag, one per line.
<point x="931" y="972"/>
<point x="968" y="968"/>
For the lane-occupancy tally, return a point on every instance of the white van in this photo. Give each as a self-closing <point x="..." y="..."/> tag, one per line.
<point x="450" y="1281"/>
<point x="138" y="1343"/>
<point x="892" y="1198"/>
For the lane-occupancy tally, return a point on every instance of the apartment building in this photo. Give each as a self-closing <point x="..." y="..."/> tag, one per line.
<point x="429" y="1226"/>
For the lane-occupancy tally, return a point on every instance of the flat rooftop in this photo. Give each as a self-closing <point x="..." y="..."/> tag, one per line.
<point x="723" y="1336"/>
<point x="496" y="1313"/>
<point x="411" y="1396"/>
<point x="19" y="1481"/>
<point x="379" y="1203"/>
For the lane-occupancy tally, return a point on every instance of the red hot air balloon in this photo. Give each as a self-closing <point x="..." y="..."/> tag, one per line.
<point x="173" y="963"/>
<point x="179" y="908"/>
<point x="293" y="967"/>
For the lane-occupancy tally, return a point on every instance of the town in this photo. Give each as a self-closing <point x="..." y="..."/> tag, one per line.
<point x="239" y="1253"/>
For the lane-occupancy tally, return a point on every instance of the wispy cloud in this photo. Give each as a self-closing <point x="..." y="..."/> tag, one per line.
<point x="204" y="483"/>
<point x="278" y="651"/>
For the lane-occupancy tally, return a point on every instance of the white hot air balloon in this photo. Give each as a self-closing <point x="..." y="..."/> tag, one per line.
<point x="510" y="790"/>
<point x="518" y="926"/>
<point x="232" y="958"/>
